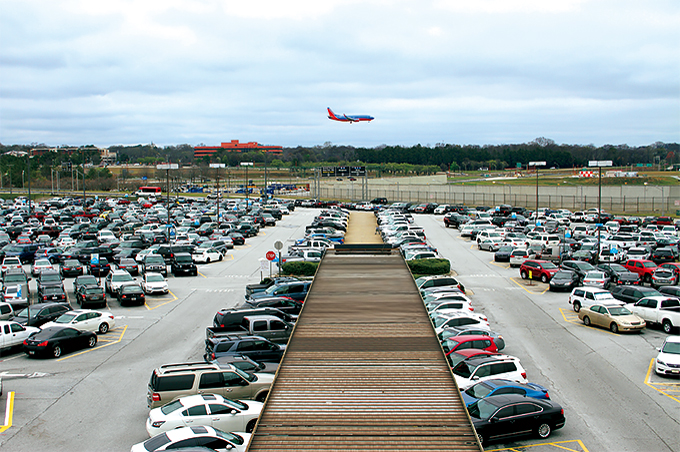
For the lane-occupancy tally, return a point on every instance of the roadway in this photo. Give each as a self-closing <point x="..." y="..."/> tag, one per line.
<point x="611" y="400"/>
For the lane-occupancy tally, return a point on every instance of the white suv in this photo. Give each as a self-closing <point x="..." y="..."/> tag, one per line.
<point x="116" y="279"/>
<point x="584" y="297"/>
<point x="486" y="367"/>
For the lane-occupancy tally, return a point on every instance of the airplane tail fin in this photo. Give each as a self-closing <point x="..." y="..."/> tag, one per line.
<point x="331" y="115"/>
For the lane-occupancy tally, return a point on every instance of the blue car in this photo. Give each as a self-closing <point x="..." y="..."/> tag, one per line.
<point x="499" y="386"/>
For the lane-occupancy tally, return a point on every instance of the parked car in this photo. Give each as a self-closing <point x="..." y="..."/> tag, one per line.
<point x="478" y="368"/>
<point x="128" y="264"/>
<point x="501" y="386"/>
<point x="154" y="283"/>
<point x="90" y="294"/>
<point x="596" y="278"/>
<point x="507" y="415"/>
<point x="13" y="334"/>
<point x="117" y="279"/>
<point x="172" y="381"/>
<point x="203" y="435"/>
<point x="84" y="280"/>
<point x="255" y="347"/>
<point x="453" y="343"/>
<point x="613" y="317"/>
<point x="182" y="263"/>
<point x="85" y="320"/>
<point x="131" y="294"/>
<point x="644" y="268"/>
<point x="155" y="263"/>
<point x="657" y="310"/>
<point x="564" y="280"/>
<point x="618" y="274"/>
<point x="41" y="313"/>
<point x="206" y="409"/>
<point x="578" y="267"/>
<point x="663" y="276"/>
<point x="55" y="340"/>
<point x="581" y="297"/>
<point x="71" y="267"/>
<point x="631" y="294"/>
<point x="538" y="269"/>
<point x="667" y="362"/>
<point x="464" y="330"/>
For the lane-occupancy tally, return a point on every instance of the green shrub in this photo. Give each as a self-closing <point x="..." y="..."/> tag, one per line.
<point x="299" y="268"/>
<point x="426" y="267"/>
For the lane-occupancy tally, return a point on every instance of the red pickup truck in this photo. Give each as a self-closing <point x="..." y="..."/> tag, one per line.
<point x="643" y="267"/>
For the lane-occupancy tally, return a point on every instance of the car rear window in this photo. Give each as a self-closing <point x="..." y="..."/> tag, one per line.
<point x="172" y="382"/>
<point x="156" y="442"/>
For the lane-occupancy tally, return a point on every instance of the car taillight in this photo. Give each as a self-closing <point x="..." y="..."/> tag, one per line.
<point x="157" y="424"/>
<point x="212" y="356"/>
<point x="524" y="375"/>
<point x="25" y="342"/>
<point x="42" y="344"/>
<point x="156" y="397"/>
<point x="547" y="396"/>
<point x="471" y="308"/>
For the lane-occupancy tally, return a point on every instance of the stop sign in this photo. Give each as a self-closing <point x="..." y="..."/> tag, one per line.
<point x="270" y="255"/>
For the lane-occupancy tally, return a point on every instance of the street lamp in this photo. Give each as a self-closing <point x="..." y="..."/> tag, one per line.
<point x="536" y="165"/>
<point x="217" y="167"/>
<point x="663" y="200"/>
<point x="167" y="167"/>
<point x="247" y="164"/>
<point x="599" y="164"/>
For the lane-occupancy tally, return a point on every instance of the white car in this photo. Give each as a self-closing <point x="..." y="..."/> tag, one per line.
<point x="668" y="360"/>
<point x="475" y="369"/>
<point x="116" y="279"/>
<point x="154" y="283"/>
<point x="65" y="242"/>
<point x="458" y="318"/>
<point x="85" y="320"/>
<point x="13" y="334"/>
<point x="11" y="262"/>
<point x="206" y="255"/>
<point x="40" y="265"/>
<point x="218" y="440"/>
<point x="204" y="409"/>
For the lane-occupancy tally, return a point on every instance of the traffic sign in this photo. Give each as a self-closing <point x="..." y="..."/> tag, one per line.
<point x="271" y="255"/>
<point x="278" y="245"/>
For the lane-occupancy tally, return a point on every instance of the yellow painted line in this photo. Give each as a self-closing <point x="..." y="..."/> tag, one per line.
<point x="174" y="298"/>
<point x="557" y="444"/>
<point x="120" y="338"/>
<point x="9" y="412"/>
<point x="652" y="385"/>
<point x="505" y="266"/>
<point x="570" y="316"/>
<point x="201" y="275"/>
<point x="527" y="290"/>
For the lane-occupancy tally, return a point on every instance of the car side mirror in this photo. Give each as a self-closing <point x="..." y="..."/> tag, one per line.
<point x="493" y="420"/>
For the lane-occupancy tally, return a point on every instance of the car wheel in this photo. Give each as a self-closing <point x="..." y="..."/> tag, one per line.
<point x="207" y="260"/>
<point x="667" y="326"/>
<point x="91" y="342"/>
<point x="577" y="306"/>
<point x="648" y="279"/>
<point x="261" y="397"/>
<point x="586" y="321"/>
<point x="251" y="426"/>
<point x="524" y="274"/>
<point x="56" y="351"/>
<point x="543" y="430"/>
<point x="220" y="259"/>
<point x="544" y="278"/>
<point x="481" y="438"/>
<point x="614" y="328"/>
<point x="104" y="328"/>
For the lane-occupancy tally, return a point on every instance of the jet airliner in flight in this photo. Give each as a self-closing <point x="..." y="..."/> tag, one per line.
<point x="349" y="118"/>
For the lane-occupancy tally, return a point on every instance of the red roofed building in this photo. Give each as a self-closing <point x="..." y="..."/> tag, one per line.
<point x="235" y="146"/>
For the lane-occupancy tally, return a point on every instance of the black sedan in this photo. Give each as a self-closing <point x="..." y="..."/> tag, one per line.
<point x="564" y="280"/>
<point x="71" y="267"/>
<point x="237" y="238"/>
<point x="503" y="254"/>
<point x="55" y="340"/>
<point x="509" y="415"/>
<point x="131" y="294"/>
<point x="619" y="275"/>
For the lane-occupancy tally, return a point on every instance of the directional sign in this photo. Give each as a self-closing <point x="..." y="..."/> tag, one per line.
<point x="217" y="165"/>
<point x="94" y="259"/>
<point x="271" y="255"/>
<point x="167" y="166"/>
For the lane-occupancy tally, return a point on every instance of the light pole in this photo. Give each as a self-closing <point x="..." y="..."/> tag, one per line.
<point x="536" y="165"/>
<point x="217" y="167"/>
<point x="663" y="201"/>
<point x="247" y="164"/>
<point x="599" y="164"/>
<point x="167" y="167"/>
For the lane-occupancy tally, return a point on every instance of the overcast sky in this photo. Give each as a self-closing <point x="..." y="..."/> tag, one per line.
<point x="111" y="72"/>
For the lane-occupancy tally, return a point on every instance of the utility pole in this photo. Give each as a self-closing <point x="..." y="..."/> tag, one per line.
<point x="599" y="164"/>
<point x="28" y="163"/>
<point x="247" y="164"/>
<point x="217" y="167"/>
<point x="167" y="167"/>
<point x="536" y="165"/>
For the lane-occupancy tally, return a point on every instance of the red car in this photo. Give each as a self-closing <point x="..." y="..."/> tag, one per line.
<point x="643" y="267"/>
<point x="538" y="269"/>
<point x="462" y="354"/>
<point x="477" y="341"/>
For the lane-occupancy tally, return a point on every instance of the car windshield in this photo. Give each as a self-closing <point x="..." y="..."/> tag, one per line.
<point x="14" y="278"/>
<point x="47" y="277"/>
<point x="482" y="409"/>
<point x="649" y="264"/>
<point x="672" y="348"/>
<point x="130" y="289"/>
<point x="248" y="377"/>
<point x="479" y="391"/>
<point x="154" y="259"/>
<point x="549" y="266"/>
<point x="154" y="278"/>
<point x="65" y="318"/>
<point x="122" y="277"/>
<point x="463" y="369"/>
<point x="618" y="310"/>
<point x="172" y="406"/>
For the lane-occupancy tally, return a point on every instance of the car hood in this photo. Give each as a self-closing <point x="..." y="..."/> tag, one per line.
<point x="669" y="358"/>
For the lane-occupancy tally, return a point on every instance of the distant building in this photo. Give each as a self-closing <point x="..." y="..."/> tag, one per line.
<point x="235" y="146"/>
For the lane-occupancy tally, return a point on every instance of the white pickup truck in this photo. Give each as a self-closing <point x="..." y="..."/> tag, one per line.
<point x="12" y="334"/>
<point x="660" y="310"/>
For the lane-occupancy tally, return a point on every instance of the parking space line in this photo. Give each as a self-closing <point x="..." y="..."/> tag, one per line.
<point x="202" y="275"/>
<point x="675" y="386"/>
<point x="120" y="338"/>
<point x="513" y="279"/>
<point x="174" y="298"/>
<point x="569" y="316"/>
<point x="9" y="412"/>
<point x="557" y="444"/>
<point x="500" y="265"/>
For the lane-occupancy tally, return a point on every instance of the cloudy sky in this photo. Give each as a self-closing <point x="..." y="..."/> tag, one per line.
<point x="445" y="71"/>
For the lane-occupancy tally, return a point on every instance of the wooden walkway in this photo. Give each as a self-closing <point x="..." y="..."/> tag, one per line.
<point x="361" y="229"/>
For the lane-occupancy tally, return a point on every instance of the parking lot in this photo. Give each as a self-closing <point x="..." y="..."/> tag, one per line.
<point x="96" y="398"/>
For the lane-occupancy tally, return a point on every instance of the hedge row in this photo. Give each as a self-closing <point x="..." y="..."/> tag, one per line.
<point x="427" y="267"/>
<point x="299" y="268"/>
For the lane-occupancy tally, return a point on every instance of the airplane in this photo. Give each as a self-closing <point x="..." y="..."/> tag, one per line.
<point x="349" y="118"/>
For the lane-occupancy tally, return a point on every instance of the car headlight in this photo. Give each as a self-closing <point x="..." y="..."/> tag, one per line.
<point x="658" y="361"/>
